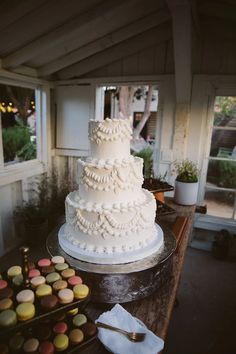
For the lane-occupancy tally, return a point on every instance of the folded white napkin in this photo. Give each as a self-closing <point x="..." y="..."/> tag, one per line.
<point x="117" y="343"/>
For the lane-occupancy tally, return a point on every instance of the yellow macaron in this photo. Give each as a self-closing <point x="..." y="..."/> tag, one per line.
<point x="25" y="311"/>
<point x="80" y="291"/>
<point x="43" y="290"/>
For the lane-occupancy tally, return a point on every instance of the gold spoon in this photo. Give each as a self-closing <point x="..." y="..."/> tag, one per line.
<point x="133" y="336"/>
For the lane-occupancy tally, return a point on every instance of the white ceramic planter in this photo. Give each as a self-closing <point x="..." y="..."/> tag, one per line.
<point x="186" y="193"/>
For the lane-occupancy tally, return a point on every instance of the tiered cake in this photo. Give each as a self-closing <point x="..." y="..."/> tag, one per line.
<point x="110" y="219"/>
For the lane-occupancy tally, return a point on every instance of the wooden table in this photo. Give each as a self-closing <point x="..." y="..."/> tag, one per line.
<point x="155" y="311"/>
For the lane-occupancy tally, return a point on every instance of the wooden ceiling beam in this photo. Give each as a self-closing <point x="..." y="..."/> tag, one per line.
<point x="76" y="30"/>
<point x="106" y="42"/>
<point x="124" y="49"/>
<point x="121" y="17"/>
<point x="61" y="34"/>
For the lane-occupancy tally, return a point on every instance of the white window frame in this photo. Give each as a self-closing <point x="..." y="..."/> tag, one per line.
<point x="22" y="170"/>
<point x="215" y="86"/>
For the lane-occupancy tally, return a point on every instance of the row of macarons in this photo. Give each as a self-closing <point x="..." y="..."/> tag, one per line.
<point x="50" y="337"/>
<point x="48" y="292"/>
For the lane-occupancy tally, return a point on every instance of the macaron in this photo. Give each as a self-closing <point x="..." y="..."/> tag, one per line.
<point x="80" y="291"/>
<point x="46" y="348"/>
<point x="8" y="318"/>
<point x="73" y="312"/>
<point x="58" y="260"/>
<point x="16" y="342"/>
<point x="37" y="281"/>
<point x="43" y="290"/>
<point x="44" y="262"/>
<point x="6" y="293"/>
<point x="59" y="285"/>
<point x="58" y="317"/>
<point x="6" y="304"/>
<point x="26" y="295"/>
<point x="65" y="296"/>
<point x="61" y="342"/>
<point x="75" y="280"/>
<point x="52" y="277"/>
<point x="43" y="332"/>
<point x="67" y="273"/>
<point x="49" y="302"/>
<point x="79" y="320"/>
<point x="47" y="270"/>
<point x="13" y="271"/>
<point x="60" y="328"/>
<point x="3" y="284"/>
<point x="76" y="336"/>
<point x="33" y="273"/>
<point x="61" y="266"/>
<point x="25" y="311"/>
<point x="18" y="280"/>
<point x="31" y="345"/>
<point x="89" y="329"/>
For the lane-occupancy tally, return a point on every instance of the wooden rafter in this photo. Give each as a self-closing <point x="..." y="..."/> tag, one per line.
<point x="106" y="42"/>
<point x="131" y="46"/>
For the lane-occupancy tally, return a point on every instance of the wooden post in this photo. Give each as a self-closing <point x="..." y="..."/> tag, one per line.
<point x="181" y="14"/>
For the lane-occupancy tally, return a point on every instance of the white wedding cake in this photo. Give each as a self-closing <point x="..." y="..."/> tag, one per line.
<point x="110" y="219"/>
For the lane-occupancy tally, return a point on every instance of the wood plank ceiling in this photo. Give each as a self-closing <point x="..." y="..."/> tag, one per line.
<point x="54" y="37"/>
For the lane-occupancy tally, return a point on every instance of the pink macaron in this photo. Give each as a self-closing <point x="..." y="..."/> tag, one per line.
<point x="3" y="284"/>
<point x="44" y="262"/>
<point x="74" y="280"/>
<point x="33" y="273"/>
<point x="60" y="328"/>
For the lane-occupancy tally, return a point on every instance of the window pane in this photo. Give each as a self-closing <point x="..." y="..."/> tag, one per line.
<point x="222" y="173"/>
<point x="225" y="111"/>
<point x="18" y="119"/>
<point x="219" y="203"/>
<point x="223" y="143"/>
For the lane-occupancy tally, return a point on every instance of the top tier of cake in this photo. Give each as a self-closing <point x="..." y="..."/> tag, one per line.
<point x="110" y="138"/>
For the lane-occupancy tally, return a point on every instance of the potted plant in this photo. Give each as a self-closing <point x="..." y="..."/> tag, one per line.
<point x="155" y="184"/>
<point x="186" y="183"/>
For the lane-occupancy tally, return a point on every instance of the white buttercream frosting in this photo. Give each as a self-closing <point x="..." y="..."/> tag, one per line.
<point x="110" y="213"/>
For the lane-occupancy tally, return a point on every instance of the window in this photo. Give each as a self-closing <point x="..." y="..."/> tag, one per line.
<point x="18" y="121"/>
<point x="24" y="128"/>
<point x="220" y="189"/>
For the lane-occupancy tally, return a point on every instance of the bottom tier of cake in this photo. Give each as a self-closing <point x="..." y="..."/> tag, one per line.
<point x="69" y="243"/>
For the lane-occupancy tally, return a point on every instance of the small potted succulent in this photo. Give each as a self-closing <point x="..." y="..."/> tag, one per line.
<point x="186" y="183"/>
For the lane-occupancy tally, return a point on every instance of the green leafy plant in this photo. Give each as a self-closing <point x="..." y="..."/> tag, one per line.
<point x="14" y="139"/>
<point x="187" y="171"/>
<point x="147" y="155"/>
<point x="28" y="151"/>
<point x="47" y="201"/>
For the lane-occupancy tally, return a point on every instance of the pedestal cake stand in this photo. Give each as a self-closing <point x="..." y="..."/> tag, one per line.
<point x="120" y="283"/>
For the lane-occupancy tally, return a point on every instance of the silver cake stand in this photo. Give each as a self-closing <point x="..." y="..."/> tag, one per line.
<point x="120" y="283"/>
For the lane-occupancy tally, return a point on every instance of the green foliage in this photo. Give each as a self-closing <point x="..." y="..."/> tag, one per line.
<point x="28" y="152"/>
<point x="187" y="171"/>
<point x="222" y="173"/>
<point x="14" y="139"/>
<point x="147" y="156"/>
<point x="225" y="110"/>
<point x="47" y="200"/>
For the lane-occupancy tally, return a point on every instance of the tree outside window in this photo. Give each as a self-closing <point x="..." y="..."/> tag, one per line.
<point x="18" y="121"/>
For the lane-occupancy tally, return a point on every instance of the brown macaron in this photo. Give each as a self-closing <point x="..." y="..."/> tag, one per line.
<point x="6" y="293"/>
<point x="89" y="329"/>
<point x="49" y="302"/>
